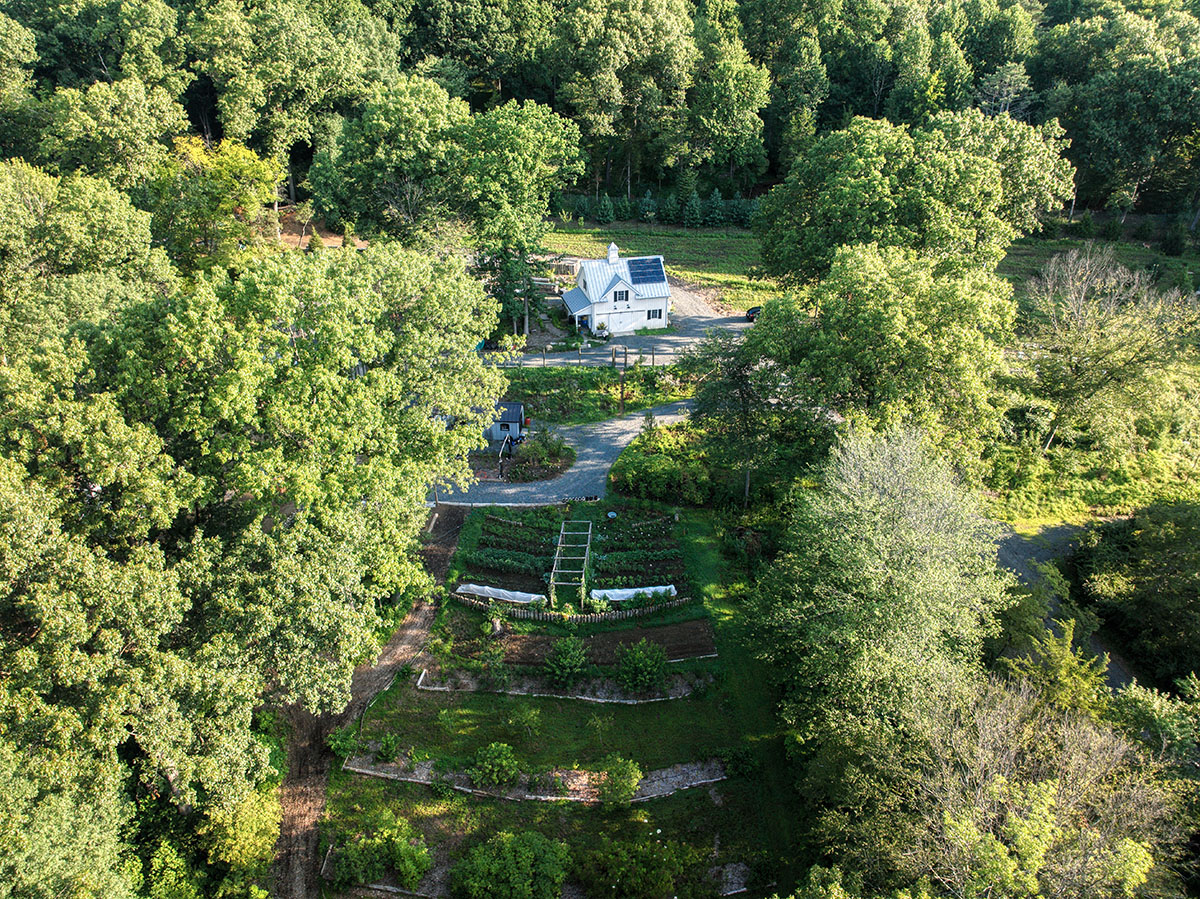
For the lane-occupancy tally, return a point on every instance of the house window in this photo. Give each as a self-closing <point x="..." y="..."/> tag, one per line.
<point x="503" y="426"/>
<point x="620" y="296"/>
<point x="653" y="313"/>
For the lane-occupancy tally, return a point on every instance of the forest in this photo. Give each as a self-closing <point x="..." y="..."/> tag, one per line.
<point x="216" y="448"/>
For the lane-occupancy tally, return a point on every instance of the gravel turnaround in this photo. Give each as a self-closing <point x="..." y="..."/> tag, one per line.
<point x="596" y="449"/>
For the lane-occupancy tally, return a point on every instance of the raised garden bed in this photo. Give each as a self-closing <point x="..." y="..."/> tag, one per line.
<point x="685" y="640"/>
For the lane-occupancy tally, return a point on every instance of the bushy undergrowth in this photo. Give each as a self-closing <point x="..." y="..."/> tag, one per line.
<point x="664" y="463"/>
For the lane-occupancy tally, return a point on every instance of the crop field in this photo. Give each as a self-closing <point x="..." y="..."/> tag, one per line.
<point x="514" y="549"/>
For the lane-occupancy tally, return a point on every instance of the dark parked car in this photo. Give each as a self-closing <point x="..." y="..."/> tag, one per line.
<point x="752" y="313"/>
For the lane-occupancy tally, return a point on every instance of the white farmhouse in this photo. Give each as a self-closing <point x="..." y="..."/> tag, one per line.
<point x="620" y="296"/>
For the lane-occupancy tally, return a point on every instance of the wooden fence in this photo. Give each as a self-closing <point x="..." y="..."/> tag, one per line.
<point x="592" y="618"/>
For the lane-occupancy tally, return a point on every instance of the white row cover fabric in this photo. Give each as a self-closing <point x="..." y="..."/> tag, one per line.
<point x="501" y="595"/>
<point x="626" y="595"/>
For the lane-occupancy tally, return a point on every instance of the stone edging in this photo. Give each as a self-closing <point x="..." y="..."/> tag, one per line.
<point x="581" y="787"/>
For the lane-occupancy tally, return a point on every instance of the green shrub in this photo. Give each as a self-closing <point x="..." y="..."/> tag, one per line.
<point x="343" y="741"/>
<point x="1174" y="241"/>
<point x="642" y="667"/>
<point x="669" y="210"/>
<point x="644" y="869"/>
<point x="666" y="464"/>
<point x="389" y="748"/>
<point x="620" y="781"/>
<point x="394" y="847"/>
<point x="567" y="662"/>
<point x="1086" y="226"/>
<point x="583" y="207"/>
<point x="648" y="208"/>
<point x="1113" y="229"/>
<point x="623" y="209"/>
<point x="715" y="210"/>
<point x="524" y="865"/>
<point x="604" y="210"/>
<point x="495" y="765"/>
<point x="693" y="211"/>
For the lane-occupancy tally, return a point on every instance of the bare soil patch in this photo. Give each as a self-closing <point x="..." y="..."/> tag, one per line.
<point x="686" y="640"/>
<point x="596" y="689"/>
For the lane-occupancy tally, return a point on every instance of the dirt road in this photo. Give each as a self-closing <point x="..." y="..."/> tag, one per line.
<point x="297" y="854"/>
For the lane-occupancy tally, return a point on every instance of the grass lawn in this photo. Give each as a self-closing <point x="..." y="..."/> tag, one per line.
<point x="572" y="395"/>
<point x="754" y="814"/>
<point x="707" y="257"/>
<point x="1029" y="255"/>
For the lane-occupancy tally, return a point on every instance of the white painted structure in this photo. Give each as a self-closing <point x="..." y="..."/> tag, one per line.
<point x="622" y="295"/>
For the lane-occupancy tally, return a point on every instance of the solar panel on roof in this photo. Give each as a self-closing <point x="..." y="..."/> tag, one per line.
<point x="646" y="271"/>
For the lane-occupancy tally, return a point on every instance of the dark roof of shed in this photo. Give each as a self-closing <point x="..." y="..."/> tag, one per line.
<point x="506" y="411"/>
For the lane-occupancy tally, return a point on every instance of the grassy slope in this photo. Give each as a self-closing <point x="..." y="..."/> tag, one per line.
<point x="707" y="257"/>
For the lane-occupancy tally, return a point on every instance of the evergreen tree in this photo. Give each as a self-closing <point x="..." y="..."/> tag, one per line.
<point x="604" y="210"/>
<point x="715" y="211"/>
<point x="693" y="211"/>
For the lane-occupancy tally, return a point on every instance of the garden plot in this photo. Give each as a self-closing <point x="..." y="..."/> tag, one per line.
<point x="515" y="550"/>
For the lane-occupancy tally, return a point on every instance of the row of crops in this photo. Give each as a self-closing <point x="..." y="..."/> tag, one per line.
<point x="514" y="549"/>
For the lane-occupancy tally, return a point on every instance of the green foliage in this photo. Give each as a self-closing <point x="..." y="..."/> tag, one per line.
<point x="243" y="837"/>
<point x="495" y="765"/>
<point x="604" y="210"/>
<point x="389" y="748"/>
<point x="886" y="589"/>
<point x="642" y="666"/>
<point x="692" y="214"/>
<point x="1063" y="674"/>
<point x="888" y="337"/>
<point x="648" y="208"/>
<point x="344" y="742"/>
<point x="643" y="869"/>
<point x="716" y="213"/>
<point x="664" y="463"/>
<point x="957" y="190"/>
<point x="1143" y="576"/>
<point x="619" y="781"/>
<point x="1167" y="725"/>
<point x="567" y="662"/>
<point x="211" y="204"/>
<point x="523" y="865"/>
<point x="622" y="209"/>
<point x="170" y="876"/>
<point x="393" y="847"/>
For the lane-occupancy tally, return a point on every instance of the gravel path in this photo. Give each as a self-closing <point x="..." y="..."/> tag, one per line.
<point x="692" y="317"/>
<point x="596" y="449"/>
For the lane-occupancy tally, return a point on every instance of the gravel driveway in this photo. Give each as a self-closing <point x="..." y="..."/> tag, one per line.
<point x="596" y="447"/>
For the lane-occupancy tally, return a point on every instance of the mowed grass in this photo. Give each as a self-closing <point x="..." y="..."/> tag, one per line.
<point x="720" y="258"/>
<point x="453" y="726"/>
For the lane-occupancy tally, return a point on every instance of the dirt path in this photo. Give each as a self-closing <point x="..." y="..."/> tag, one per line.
<point x="297" y="858"/>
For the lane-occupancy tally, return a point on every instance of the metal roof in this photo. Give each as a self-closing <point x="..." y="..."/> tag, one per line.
<point x="576" y="300"/>
<point x="599" y="274"/>
<point x="507" y="411"/>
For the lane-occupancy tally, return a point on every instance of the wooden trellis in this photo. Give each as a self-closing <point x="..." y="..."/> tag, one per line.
<point x="571" y="557"/>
